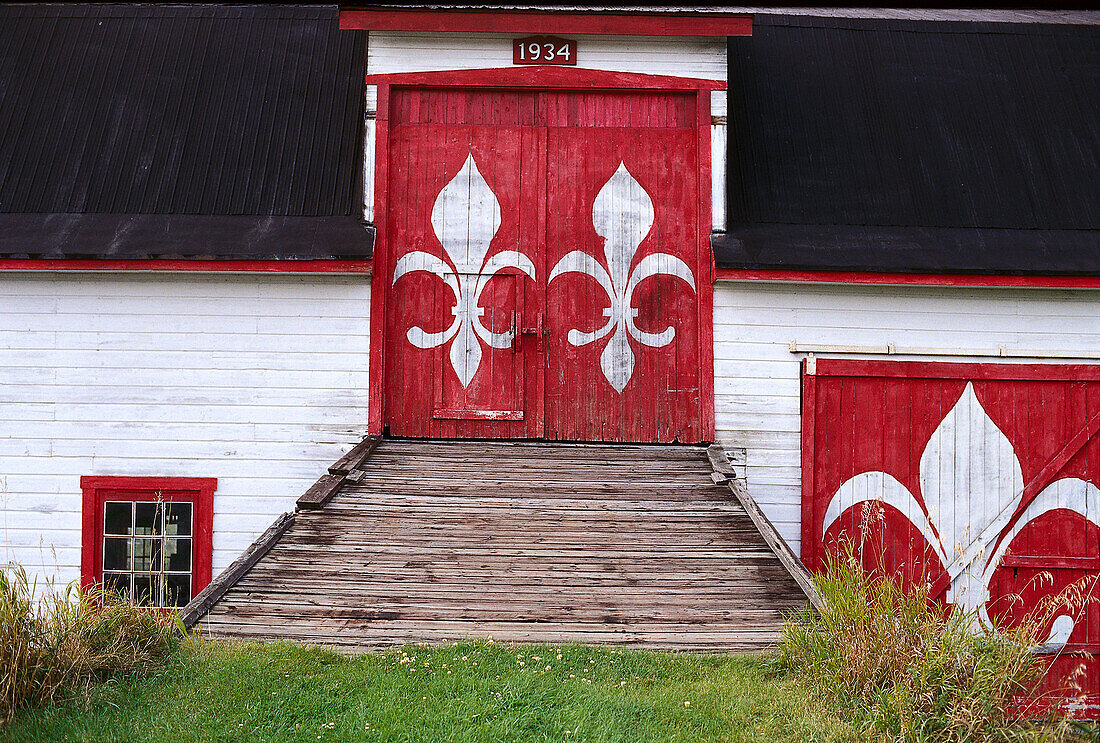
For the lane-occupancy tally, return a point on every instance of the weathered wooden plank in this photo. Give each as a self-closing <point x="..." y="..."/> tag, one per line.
<point x="207" y="597"/>
<point x="778" y="545"/>
<point x="294" y="606"/>
<point x="718" y="461"/>
<point x="431" y="499"/>
<point x="355" y="456"/>
<point x="627" y="600"/>
<point x="354" y="644"/>
<point x="442" y="540"/>
<point x="320" y="492"/>
<point x="390" y="632"/>
<point x="719" y="631"/>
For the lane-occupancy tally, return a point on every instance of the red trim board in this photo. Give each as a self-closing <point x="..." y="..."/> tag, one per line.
<point x="705" y="297"/>
<point x="953" y="370"/>
<point x="484" y="21"/>
<point x="541" y="76"/>
<point x="920" y="279"/>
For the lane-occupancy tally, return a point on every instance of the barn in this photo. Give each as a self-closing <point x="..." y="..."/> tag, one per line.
<point x="367" y="324"/>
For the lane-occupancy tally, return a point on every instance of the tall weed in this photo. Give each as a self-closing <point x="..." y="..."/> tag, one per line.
<point x="911" y="669"/>
<point x="67" y="640"/>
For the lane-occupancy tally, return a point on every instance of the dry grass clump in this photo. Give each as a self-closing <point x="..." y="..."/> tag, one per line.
<point x="910" y="669"/>
<point x="65" y="641"/>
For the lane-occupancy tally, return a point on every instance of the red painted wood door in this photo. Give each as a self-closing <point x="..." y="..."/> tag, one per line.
<point x="622" y="243"/>
<point x="978" y="478"/>
<point x="545" y="262"/>
<point x="463" y="279"/>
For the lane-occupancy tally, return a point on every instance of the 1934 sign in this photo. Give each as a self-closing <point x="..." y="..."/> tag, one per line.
<point x="544" y="50"/>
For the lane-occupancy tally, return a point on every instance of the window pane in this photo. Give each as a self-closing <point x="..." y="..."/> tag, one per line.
<point x="147" y="555"/>
<point x="116" y="553"/>
<point x="118" y="582"/>
<point x="147" y="519"/>
<point x="177" y="519"/>
<point x="177" y="555"/>
<point x="145" y="589"/>
<point x="117" y="518"/>
<point x="177" y="590"/>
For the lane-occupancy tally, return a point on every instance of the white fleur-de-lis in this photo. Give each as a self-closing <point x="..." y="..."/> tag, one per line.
<point x="972" y="485"/>
<point x="465" y="218"/>
<point x="622" y="215"/>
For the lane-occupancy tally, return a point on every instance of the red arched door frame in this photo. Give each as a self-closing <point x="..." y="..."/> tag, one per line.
<point x="549" y="78"/>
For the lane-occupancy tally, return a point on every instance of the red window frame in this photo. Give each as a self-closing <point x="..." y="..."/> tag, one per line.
<point x="97" y="490"/>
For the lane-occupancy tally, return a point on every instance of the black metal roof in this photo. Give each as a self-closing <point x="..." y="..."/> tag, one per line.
<point x="884" y="144"/>
<point x="247" y="116"/>
<point x="899" y="145"/>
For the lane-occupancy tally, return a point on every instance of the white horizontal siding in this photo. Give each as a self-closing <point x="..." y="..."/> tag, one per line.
<point x="396" y="51"/>
<point x="757" y="378"/>
<point x="259" y="381"/>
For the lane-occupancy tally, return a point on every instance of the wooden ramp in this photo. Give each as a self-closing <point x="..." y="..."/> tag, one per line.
<point x="534" y="542"/>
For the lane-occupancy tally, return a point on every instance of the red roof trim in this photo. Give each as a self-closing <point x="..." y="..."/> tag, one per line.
<point x="480" y="21"/>
<point x="174" y="266"/>
<point x="827" y="367"/>
<point x="915" y="279"/>
<point x="543" y="76"/>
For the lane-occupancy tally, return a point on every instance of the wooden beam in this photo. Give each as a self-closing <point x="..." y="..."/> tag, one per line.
<point x="729" y="464"/>
<point x="208" y="596"/>
<point x="355" y="457"/>
<point x="320" y="492"/>
<point x="724" y="473"/>
<point x="777" y="544"/>
<point x="719" y="463"/>
<point x="575" y="78"/>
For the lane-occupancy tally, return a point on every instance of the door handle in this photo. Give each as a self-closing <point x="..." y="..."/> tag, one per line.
<point x="538" y="331"/>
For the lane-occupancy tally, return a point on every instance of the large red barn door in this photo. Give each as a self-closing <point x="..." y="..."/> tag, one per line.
<point x="546" y="273"/>
<point x="981" y="478"/>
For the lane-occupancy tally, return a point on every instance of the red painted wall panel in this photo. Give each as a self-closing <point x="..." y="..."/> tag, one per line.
<point x="983" y="479"/>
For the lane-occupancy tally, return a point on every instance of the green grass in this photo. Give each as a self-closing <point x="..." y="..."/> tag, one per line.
<point x="465" y="692"/>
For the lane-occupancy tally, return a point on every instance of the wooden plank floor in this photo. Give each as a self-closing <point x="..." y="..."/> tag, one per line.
<point x="521" y="541"/>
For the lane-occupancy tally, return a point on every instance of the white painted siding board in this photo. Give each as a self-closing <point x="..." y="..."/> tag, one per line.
<point x="290" y="361"/>
<point x="718" y="144"/>
<point x="395" y="51"/>
<point x="259" y="381"/>
<point x="370" y="116"/>
<point x="757" y="390"/>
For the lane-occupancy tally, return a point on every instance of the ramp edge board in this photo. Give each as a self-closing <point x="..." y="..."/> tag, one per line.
<point x="207" y="597"/>
<point x="725" y="472"/>
<point x="347" y="467"/>
<point x="315" y="497"/>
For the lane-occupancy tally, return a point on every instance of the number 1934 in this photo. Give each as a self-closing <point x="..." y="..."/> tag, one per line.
<point x="544" y="50"/>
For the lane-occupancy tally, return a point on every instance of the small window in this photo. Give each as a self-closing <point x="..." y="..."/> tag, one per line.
<point x="149" y="538"/>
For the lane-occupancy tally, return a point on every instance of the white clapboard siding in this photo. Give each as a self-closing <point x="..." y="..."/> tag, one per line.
<point x="681" y="56"/>
<point x="259" y="381"/>
<point x="757" y="378"/>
